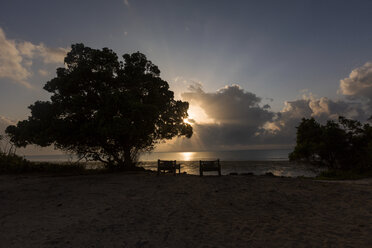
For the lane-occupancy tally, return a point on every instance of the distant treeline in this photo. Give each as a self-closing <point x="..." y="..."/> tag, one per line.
<point x="342" y="145"/>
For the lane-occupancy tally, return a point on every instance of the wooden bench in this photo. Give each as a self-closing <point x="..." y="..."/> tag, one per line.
<point x="168" y="165"/>
<point x="210" y="166"/>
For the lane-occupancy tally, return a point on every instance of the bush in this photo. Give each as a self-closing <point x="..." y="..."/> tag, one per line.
<point x="344" y="145"/>
<point x="344" y="175"/>
<point x="12" y="163"/>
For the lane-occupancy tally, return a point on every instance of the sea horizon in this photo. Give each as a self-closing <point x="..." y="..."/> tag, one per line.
<point x="257" y="162"/>
<point x="226" y="155"/>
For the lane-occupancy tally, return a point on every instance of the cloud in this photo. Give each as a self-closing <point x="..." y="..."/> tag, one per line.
<point x="16" y="58"/>
<point x="11" y="62"/>
<point x="26" y="48"/>
<point x="43" y="72"/>
<point x="48" y="55"/>
<point x="4" y="123"/>
<point x="359" y="82"/>
<point x="239" y="121"/>
<point x="282" y="130"/>
<point x="359" y="85"/>
<point x="52" y="55"/>
<point x="229" y="105"/>
<point x="237" y="118"/>
<point x="126" y="2"/>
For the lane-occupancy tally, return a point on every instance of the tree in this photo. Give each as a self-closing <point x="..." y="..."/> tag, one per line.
<point x="104" y="109"/>
<point x="346" y="144"/>
<point x="308" y="139"/>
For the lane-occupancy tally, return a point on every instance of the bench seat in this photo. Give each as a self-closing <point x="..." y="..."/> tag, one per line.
<point x="210" y="166"/>
<point x="168" y="166"/>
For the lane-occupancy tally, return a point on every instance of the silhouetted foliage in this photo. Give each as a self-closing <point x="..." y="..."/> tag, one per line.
<point x="104" y="109"/>
<point x="346" y="144"/>
<point x="11" y="163"/>
<point x="6" y="146"/>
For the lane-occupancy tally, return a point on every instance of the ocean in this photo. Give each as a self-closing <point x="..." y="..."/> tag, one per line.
<point x="258" y="162"/>
<point x="241" y="155"/>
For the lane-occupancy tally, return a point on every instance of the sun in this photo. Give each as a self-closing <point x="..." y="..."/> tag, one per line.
<point x="187" y="121"/>
<point x="197" y="115"/>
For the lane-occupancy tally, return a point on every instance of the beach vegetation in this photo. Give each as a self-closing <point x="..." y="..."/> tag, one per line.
<point x="104" y="109"/>
<point x="343" y="145"/>
<point x="11" y="163"/>
<point x="15" y="164"/>
<point x="336" y="174"/>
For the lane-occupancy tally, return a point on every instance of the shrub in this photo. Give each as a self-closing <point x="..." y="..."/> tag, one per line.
<point x="342" y="145"/>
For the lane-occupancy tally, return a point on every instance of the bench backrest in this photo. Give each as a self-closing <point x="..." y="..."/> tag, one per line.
<point x="210" y="165"/>
<point x="166" y="163"/>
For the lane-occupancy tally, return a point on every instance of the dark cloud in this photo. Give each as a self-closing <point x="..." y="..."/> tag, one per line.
<point x="237" y="114"/>
<point x="230" y="105"/>
<point x="283" y="129"/>
<point x="239" y="120"/>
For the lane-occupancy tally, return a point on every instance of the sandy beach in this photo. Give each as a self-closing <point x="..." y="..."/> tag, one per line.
<point x="145" y="210"/>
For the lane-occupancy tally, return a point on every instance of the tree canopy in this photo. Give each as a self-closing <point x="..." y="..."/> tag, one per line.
<point x="346" y="144"/>
<point x="104" y="109"/>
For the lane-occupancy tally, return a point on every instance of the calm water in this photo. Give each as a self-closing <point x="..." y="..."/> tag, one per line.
<point x="255" y="161"/>
<point x="245" y="155"/>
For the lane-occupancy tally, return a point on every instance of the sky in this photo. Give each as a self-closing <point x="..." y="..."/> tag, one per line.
<point x="250" y="69"/>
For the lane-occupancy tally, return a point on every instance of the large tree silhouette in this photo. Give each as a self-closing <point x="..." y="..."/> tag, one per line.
<point x="104" y="109"/>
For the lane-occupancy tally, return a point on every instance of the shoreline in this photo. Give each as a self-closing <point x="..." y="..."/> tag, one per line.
<point x="145" y="210"/>
<point x="257" y="167"/>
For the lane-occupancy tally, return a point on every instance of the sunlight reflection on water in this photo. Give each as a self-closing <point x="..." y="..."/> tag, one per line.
<point x="243" y="155"/>
<point x="187" y="156"/>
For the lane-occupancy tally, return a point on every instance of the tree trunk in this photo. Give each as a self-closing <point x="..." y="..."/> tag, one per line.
<point x="128" y="162"/>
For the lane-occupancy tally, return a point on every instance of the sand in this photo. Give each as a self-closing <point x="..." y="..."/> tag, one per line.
<point x="143" y="210"/>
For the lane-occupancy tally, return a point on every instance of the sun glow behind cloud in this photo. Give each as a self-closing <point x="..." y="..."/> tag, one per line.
<point x="197" y="115"/>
